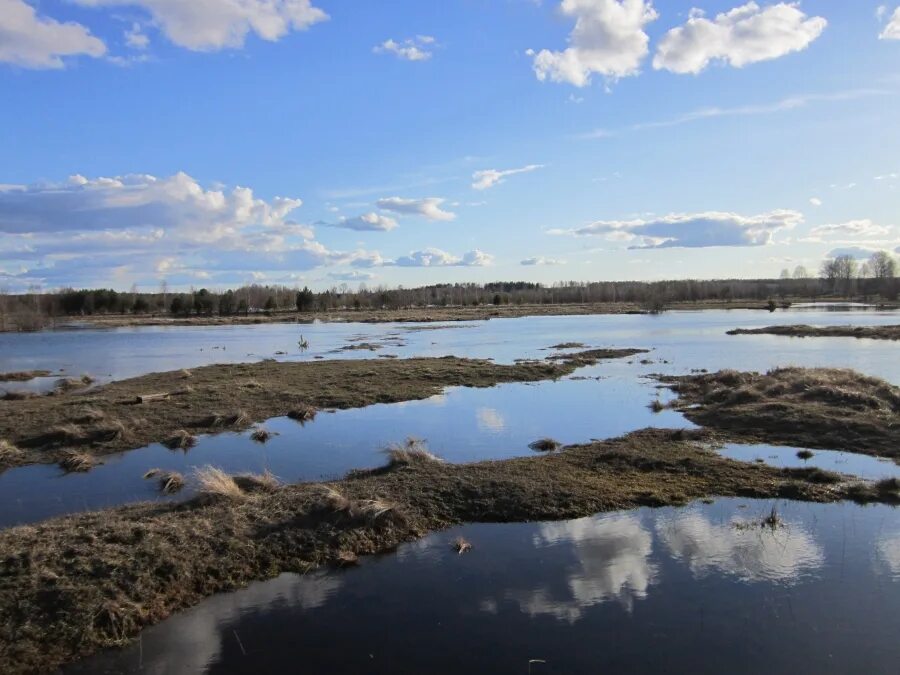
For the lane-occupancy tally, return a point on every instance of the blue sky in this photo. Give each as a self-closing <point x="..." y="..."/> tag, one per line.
<point x="143" y="140"/>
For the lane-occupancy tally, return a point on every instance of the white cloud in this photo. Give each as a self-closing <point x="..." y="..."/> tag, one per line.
<point x="855" y="228"/>
<point x="412" y="49"/>
<point x="856" y="252"/>
<point x="693" y="230"/>
<point x="435" y="257"/>
<point x="541" y="260"/>
<point x="815" y="201"/>
<point x="790" y="103"/>
<point x="608" y="39"/>
<point x="368" y="222"/>
<point x="741" y="36"/>
<point x="490" y="420"/>
<point x="354" y="275"/>
<point x="33" y="41"/>
<point x="429" y="207"/>
<point x="747" y="553"/>
<point x="208" y="25"/>
<point x="488" y="178"/>
<point x="136" y="38"/>
<point x="892" y="29"/>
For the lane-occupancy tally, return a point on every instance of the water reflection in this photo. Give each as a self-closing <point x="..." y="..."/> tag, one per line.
<point x="740" y="547"/>
<point x="804" y="598"/>
<point x="489" y="419"/>
<point x="612" y="564"/>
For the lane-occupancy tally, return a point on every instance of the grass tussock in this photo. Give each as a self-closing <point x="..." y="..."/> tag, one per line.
<point x="461" y="546"/>
<point x="258" y="482"/>
<point x="825" y="408"/>
<point x="185" y="374"/>
<point x="77" y="462"/>
<point x="805" y="454"/>
<point x="368" y="511"/>
<point x="237" y="419"/>
<point x="411" y="451"/>
<point x="66" y="384"/>
<point x="9" y="452"/>
<point x="303" y="413"/>
<point x="214" y="482"/>
<point x="569" y="345"/>
<point x="180" y="440"/>
<point x="19" y="395"/>
<point x="169" y="482"/>
<point x="261" y="435"/>
<point x="657" y="406"/>
<point x="545" y="445"/>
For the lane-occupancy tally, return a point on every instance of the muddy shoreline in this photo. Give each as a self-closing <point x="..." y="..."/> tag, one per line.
<point x="825" y="408"/>
<point x="172" y="407"/>
<point x="71" y="586"/>
<point x="804" y="331"/>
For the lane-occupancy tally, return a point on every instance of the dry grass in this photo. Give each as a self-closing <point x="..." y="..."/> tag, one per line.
<point x="412" y="451"/>
<point x="825" y="408"/>
<point x="90" y="416"/>
<point x="461" y="545"/>
<point x="258" y="482"/>
<point x="804" y="331"/>
<point x="186" y="374"/>
<point x="24" y="375"/>
<point x="303" y="413"/>
<point x="216" y="483"/>
<point x="77" y="462"/>
<point x="9" y="452"/>
<point x="66" y="384"/>
<point x="261" y="435"/>
<point x="237" y="419"/>
<point x="169" y="482"/>
<point x="545" y="445"/>
<point x="180" y="440"/>
<point x="657" y="406"/>
<point x="19" y="395"/>
<point x="367" y="511"/>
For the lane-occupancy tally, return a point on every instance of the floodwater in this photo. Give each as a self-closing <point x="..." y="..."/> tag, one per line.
<point x="701" y="588"/>
<point x="461" y="425"/>
<point x="698" y="589"/>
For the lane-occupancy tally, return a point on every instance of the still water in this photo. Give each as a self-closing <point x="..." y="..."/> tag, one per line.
<point x="461" y="425"/>
<point x="690" y="589"/>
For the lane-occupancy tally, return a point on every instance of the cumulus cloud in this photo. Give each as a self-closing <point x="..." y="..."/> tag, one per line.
<point x="488" y="178"/>
<point x="208" y="25"/>
<point x="892" y="29"/>
<point x="541" y="260"/>
<point x="411" y="49"/>
<point x="88" y="230"/>
<point x="608" y="39"/>
<point x="693" y="230"/>
<point x="429" y="207"/>
<point x="864" y="228"/>
<point x="855" y="252"/>
<point x="435" y="257"/>
<point x="136" y="38"/>
<point x="815" y="201"/>
<point x="33" y="41"/>
<point x="368" y="222"/>
<point x="744" y="35"/>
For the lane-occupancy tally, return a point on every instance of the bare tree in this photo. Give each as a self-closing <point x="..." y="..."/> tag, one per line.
<point x="882" y="265"/>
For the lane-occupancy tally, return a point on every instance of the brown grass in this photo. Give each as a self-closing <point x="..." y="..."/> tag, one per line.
<point x="214" y="482"/>
<point x="461" y="545"/>
<point x="303" y="413"/>
<point x="169" y="482"/>
<point x="545" y="445"/>
<point x="77" y="462"/>
<point x="67" y="384"/>
<point x="24" y="375"/>
<point x="411" y="451"/>
<point x="9" y="453"/>
<point x="824" y="408"/>
<point x="257" y="482"/>
<point x="74" y="585"/>
<point x="804" y="331"/>
<point x="19" y="395"/>
<point x="180" y="440"/>
<point x="261" y="435"/>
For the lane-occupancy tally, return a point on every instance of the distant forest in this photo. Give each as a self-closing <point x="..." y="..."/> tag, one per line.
<point x="841" y="277"/>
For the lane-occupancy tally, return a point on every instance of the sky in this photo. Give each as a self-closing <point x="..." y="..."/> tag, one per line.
<point x="214" y="143"/>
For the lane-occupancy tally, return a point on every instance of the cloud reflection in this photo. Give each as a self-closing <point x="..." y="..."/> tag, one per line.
<point x="490" y="420"/>
<point x="750" y="554"/>
<point x="613" y="564"/>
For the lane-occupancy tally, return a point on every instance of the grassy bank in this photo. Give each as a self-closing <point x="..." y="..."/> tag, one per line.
<point x="809" y="407"/>
<point x="73" y="585"/>
<point x="173" y="407"/>
<point x="870" y="332"/>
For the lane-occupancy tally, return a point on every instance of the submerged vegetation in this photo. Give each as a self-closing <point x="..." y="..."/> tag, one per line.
<point x="123" y="415"/>
<point x="825" y="408"/>
<point x="72" y="585"/>
<point x="870" y="332"/>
